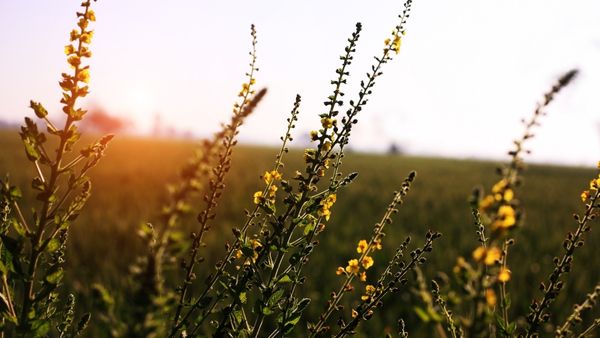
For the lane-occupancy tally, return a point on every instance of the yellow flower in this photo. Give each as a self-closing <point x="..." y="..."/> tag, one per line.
<point x="258" y="196"/>
<point x="74" y="35"/>
<point x="340" y="270"/>
<point x="492" y="256"/>
<point x="367" y="262"/>
<point x="91" y="15"/>
<point x="479" y="253"/>
<point x="86" y="37"/>
<point x="490" y="297"/>
<point x="396" y="44"/>
<point x="256" y="244"/>
<point x="362" y="246"/>
<point x="499" y="186"/>
<point x="369" y="289"/>
<point x="272" y="191"/>
<point x="506" y="217"/>
<point x="239" y="254"/>
<point x="352" y="266"/>
<point x="325" y="205"/>
<point x="84" y="75"/>
<point x="326" y="146"/>
<point x="270" y="176"/>
<point x="509" y="195"/>
<point x="69" y="49"/>
<point x="594" y="184"/>
<point x="354" y="313"/>
<point x="486" y="202"/>
<point x="308" y="155"/>
<point x="327" y="122"/>
<point x="74" y="60"/>
<point x="386" y="41"/>
<point x="585" y="195"/>
<point x="363" y="276"/>
<point x="377" y="244"/>
<point x="504" y="275"/>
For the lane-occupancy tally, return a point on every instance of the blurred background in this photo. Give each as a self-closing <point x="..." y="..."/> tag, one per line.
<point x="468" y="70"/>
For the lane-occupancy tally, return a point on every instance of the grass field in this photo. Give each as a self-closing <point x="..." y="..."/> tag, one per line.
<point x="129" y="184"/>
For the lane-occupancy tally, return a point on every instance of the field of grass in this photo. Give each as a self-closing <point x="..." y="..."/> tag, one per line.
<point x="129" y="184"/>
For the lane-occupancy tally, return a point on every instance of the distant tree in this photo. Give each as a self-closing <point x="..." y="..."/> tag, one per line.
<point x="99" y="121"/>
<point x="395" y="149"/>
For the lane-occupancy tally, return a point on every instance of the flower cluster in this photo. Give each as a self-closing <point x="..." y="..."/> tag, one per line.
<point x="268" y="195"/>
<point x="325" y="206"/>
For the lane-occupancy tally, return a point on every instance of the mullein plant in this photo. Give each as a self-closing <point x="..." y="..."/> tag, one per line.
<point x="252" y="291"/>
<point x="479" y="294"/>
<point x="33" y="244"/>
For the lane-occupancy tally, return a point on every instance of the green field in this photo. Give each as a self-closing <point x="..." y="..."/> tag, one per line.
<point x="128" y="186"/>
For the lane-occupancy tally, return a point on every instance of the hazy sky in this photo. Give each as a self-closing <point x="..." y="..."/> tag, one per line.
<point x="468" y="71"/>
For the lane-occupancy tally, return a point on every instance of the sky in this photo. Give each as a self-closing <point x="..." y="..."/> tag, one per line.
<point x="468" y="71"/>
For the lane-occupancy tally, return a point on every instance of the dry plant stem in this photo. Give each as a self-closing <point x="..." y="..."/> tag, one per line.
<point x="346" y="329"/>
<point x="251" y="216"/>
<point x="36" y="249"/>
<point x="589" y="302"/>
<point x="503" y="285"/>
<point x="535" y="316"/>
<point x="447" y="315"/>
<point x="350" y="277"/>
<point x="216" y="184"/>
<point x="590" y="328"/>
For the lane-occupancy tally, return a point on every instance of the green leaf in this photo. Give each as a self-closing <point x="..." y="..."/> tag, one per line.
<point x="53" y="245"/>
<point x="38" y="109"/>
<point x="275" y="297"/>
<point x="422" y="314"/>
<point x="55" y="277"/>
<point x="284" y="279"/>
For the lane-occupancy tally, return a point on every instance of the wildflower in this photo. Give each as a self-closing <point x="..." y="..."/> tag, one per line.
<point x="74" y="60"/>
<point x="354" y="313"/>
<point x="367" y="262"/>
<point x="377" y="244"/>
<point x="486" y="202"/>
<point x="272" y="191"/>
<point x="325" y="205"/>
<point x="74" y="35"/>
<point x="308" y="155"/>
<point x="363" y="276"/>
<point x="84" y="75"/>
<point x="91" y="15"/>
<point x="258" y="197"/>
<point x="585" y="195"/>
<point x="352" y="266"/>
<point x="386" y="42"/>
<point x="327" y="122"/>
<point x="594" y="184"/>
<point x="504" y="275"/>
<point x="490" y="297"/>
<point x="492" y="256"/>
<point x="256" y="244"/>
<point x="340" y="270"/>
<point x="500" y="186"/>
<point x="86" y="37"/>
<point x="508" y="195"/>
<point x="362" y="246"/>
<point x="270" y="176"/>
<point x="239" y="254"/>
<point x="69" y="49"/>
<point x="314" y="135"/>
<point x="506" y="217"/>
<point x="326" y="146"/>
<point x="479" y="253"/>
<point x="369" y="290"/>
<point x="396" y="44"/>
